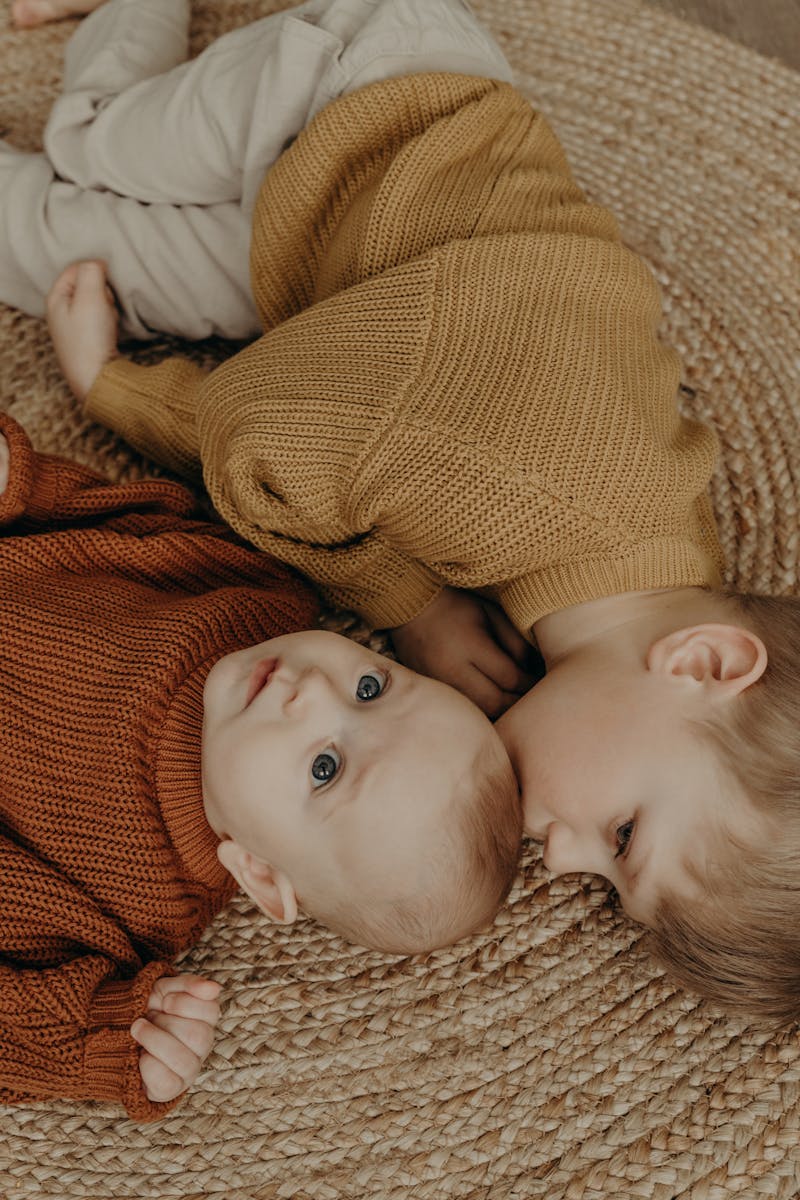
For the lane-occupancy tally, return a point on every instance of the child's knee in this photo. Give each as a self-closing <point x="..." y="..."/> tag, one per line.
<point x="25" y="180"/>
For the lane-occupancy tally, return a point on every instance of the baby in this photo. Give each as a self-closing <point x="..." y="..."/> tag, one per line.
<point x="156" y="750"/>
<point x="458" y="420"/>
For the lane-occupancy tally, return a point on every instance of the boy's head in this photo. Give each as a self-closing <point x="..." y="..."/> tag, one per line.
<point x="669" y="763"/>
<point x="741" y="943"/>
<point x="378" y="800"/>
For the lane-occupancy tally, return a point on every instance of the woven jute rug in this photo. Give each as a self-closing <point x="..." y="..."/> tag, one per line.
<point x="547" y="1058"/>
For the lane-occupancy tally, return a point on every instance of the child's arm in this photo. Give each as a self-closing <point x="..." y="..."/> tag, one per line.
<point x="38" y="489"/>
<point x="83" y="323"/>
<point x="73" y="1031"/>
<point x="454" y="635"/>
<point x="76" y="1032"/>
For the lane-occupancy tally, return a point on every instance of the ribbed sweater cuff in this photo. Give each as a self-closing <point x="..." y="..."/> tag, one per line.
<point x="21" y="470"/>
<point x="403" y="588"/>
<point x="111" y="1058"/>
<point x="35" y="481"/>
<point x="667" y="563"/>
<point x="150" y="407"/>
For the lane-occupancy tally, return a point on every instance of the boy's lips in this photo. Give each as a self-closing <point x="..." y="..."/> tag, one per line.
<point x="260" y="678"/>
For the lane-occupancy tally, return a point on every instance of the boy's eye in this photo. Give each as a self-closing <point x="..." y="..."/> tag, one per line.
<point x="325" y="767"/>
<point x="371" y="685"/>
<point x="623" y="836"/>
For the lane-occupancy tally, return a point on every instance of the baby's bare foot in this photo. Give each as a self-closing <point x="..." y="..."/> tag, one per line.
<point x="27" y="13"/>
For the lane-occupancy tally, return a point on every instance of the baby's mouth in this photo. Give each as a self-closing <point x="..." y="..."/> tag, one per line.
<point x="260" y="678"/>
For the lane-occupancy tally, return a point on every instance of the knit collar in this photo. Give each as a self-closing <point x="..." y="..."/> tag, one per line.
<point x="179" y="782"/>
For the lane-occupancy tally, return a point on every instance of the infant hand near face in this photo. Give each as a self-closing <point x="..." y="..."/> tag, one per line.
<point x="177" y="1033"/>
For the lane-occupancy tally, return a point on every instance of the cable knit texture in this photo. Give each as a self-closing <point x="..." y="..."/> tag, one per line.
<point x="460" y="380"/>
<point x="116" y="601"/>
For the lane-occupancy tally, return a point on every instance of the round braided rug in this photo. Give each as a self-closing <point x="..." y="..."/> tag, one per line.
<point x="547" y="1058"/>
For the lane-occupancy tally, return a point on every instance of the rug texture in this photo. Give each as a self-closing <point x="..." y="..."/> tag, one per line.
<point x="548" y="1057"/>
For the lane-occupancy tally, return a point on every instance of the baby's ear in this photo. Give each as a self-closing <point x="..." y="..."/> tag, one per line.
<point x="722" y="659"/>
<point x="268" y="887"/>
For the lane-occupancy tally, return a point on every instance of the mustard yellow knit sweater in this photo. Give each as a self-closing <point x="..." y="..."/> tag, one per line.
<point x="459" y="380"/>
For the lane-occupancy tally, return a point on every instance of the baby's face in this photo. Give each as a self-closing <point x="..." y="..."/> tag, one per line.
<point x="329" y="761"/>
<point x="616" y="782"/>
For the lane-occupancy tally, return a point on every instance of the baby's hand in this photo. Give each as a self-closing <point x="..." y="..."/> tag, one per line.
<point x="27" y="13"/>
<point x="83" y="322"/>
<point x="469" y="643"/>
<point x="4" y="457"/>
<point x="177" y="1034"/>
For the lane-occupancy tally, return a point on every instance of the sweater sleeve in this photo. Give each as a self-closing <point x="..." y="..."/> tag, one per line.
<point x="65" y="1028"/>
<point x="293" y="426"/>
<point x="153" y="408"/>
<point x="37" y="483"/>
<point x="385" y="446"/>
<point x="285" y="428"/>
<point x="44" y="488"/>
<point x="65" y="1034"/>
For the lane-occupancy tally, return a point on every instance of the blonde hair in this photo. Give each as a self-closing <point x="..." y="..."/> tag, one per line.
<point x="463" y="883"/>
<point x="740" y="945"/>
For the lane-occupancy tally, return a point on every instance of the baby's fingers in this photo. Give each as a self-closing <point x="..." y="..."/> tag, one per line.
<point x="182" y="1004"/>
<point x="160" y="1083"/>
<point x="197" y="985"/>
<point x="197" y="1036"/>
<point x="168" y="1049"/>
<point x="167" y="989"/>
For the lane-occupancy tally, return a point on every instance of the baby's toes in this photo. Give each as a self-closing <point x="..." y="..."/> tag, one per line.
<point x="27" y="13"/>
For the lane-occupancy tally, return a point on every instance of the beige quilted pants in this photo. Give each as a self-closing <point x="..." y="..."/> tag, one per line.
<point x="153" y="163"/>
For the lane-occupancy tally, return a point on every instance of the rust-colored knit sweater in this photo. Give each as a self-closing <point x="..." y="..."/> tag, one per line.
<point x="115" y="602"/>
<point x="460" y="379"/>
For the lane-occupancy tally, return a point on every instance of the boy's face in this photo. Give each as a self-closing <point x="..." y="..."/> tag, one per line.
<point x="615" y="782"/>
<point x="329" y="761"/>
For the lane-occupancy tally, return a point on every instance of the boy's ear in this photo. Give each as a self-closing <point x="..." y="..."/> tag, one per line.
<point x="268" y="887"/>
<point x="723" y="659"/>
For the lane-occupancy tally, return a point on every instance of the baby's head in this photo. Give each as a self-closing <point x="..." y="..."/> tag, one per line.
<point x="379" y="801"/>
<point x="680" y="783"/>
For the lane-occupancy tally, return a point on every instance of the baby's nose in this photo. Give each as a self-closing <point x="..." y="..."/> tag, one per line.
<point x="311" y="687"/>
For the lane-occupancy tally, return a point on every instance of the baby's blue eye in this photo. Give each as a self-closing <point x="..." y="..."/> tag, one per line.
<point x="370" y="685"/>
<point x="324" y="767"/>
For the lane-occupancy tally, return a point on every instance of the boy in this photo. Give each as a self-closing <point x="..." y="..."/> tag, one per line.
<point x="460" y="396"/>
<point x="155" y="751"/>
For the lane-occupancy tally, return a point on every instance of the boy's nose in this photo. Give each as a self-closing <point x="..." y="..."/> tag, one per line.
<point x="564" y="852"/>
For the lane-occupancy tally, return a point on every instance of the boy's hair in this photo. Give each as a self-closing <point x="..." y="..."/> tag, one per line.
<point x="459" y="885"/>
<point x="740" y="945"/>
